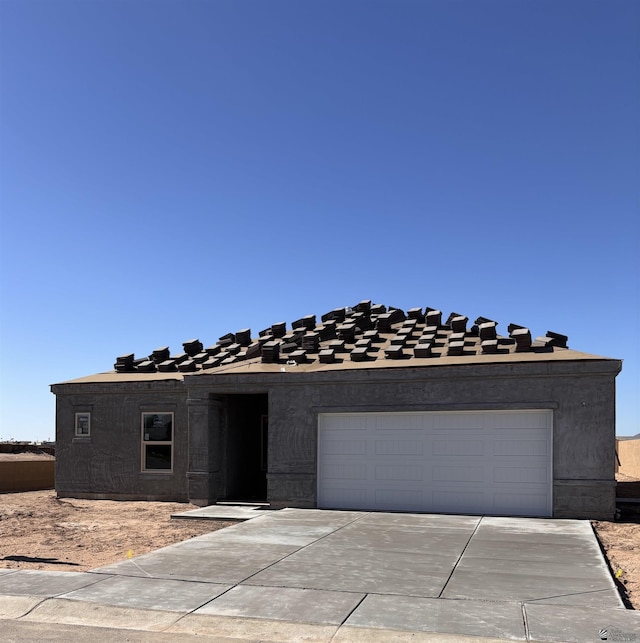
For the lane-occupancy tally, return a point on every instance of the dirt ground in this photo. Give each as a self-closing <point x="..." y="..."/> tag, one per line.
<point x="38" y="455"/>
<point x="621" y="543"/>
<point x="40" y="531"/>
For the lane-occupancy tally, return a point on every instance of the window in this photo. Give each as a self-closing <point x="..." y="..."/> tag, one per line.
<point x="157" y="442"/>
<point x="83" y="424"/>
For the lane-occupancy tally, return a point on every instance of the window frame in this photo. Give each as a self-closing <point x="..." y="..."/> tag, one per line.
<point x="78" y="429"/>
<point x="146" y="442"/>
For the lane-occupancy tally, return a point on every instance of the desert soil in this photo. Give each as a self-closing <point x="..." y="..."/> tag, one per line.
<point x="27" y="455"/>
<point x="40" y="531"/>
<point x="621" y="543"/>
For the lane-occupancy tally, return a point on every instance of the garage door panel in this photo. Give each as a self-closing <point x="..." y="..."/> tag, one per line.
<point x="353" y="422"/>
<point x="345" y="447"/>
<point x="535" y="475"/>
<point x="399" y="500"/>
<point x="399" y="447"/>
<point x="458" y="474"/>
<point x="348" y="498"/>
<point x="457" y="462"/>
<point x="463" y="501"/>
<point x="520" y="447"/>
<point x="457" y="447"/>
<point x="344" y="472"/>
<point x="398" y="472"/>
<point x="518" y="503"/>
<point x="453" y="421"/>
<point x="410" y="422"/>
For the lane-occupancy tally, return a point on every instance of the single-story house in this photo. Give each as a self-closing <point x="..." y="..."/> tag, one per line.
<point x="368" y="407"/>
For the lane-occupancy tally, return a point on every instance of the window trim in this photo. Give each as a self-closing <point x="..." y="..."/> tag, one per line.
<point x="144" y="443"/>
<point x="77" y="429"/>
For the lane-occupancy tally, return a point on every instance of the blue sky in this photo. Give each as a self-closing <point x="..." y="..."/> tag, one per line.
<point x="184" y="168"/>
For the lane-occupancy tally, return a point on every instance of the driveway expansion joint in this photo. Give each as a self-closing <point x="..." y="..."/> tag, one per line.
<point x="455" y="566"/>
<point x="344" y="620"/>
<point x="527" y="634"/>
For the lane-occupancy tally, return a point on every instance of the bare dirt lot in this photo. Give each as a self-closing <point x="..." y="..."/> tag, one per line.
<point x="621" y="543"/>
<point x="40" y="531"/>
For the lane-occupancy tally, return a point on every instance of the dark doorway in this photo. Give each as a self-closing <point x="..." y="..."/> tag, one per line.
<point x="247" y="458"/>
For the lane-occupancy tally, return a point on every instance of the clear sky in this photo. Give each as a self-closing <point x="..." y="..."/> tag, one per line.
<point x="173" y="169"/>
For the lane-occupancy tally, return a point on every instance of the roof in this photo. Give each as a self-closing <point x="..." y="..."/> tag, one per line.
<point x="364" y="336"/>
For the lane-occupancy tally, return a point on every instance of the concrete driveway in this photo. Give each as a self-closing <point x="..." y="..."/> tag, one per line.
<point x="318" y="575"/>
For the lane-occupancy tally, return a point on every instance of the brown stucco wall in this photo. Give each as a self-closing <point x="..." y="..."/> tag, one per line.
<point x="26" y="475"/>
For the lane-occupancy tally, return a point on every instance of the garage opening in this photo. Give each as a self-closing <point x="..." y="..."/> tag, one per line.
<point x="464" y="462"/>
<point x="247" y="447"/>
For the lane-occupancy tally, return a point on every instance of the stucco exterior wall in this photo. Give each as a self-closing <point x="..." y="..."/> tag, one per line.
<point x="108" y="462"/>
<point x="580" y="394"/>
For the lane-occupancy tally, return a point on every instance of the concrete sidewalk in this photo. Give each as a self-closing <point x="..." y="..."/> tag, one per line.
<point x="318" y="575"/>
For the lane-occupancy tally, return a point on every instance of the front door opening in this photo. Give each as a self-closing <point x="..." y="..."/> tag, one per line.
<point x="247" y="447"/>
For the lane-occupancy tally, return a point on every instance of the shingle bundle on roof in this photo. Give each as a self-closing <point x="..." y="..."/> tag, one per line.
<point x="366" y="332"/>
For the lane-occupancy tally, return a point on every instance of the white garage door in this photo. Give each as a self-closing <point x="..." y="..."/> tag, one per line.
<point x="477" y="462"/>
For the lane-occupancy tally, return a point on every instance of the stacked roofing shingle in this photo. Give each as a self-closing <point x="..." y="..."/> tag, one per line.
<point x="365" y="333"/>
